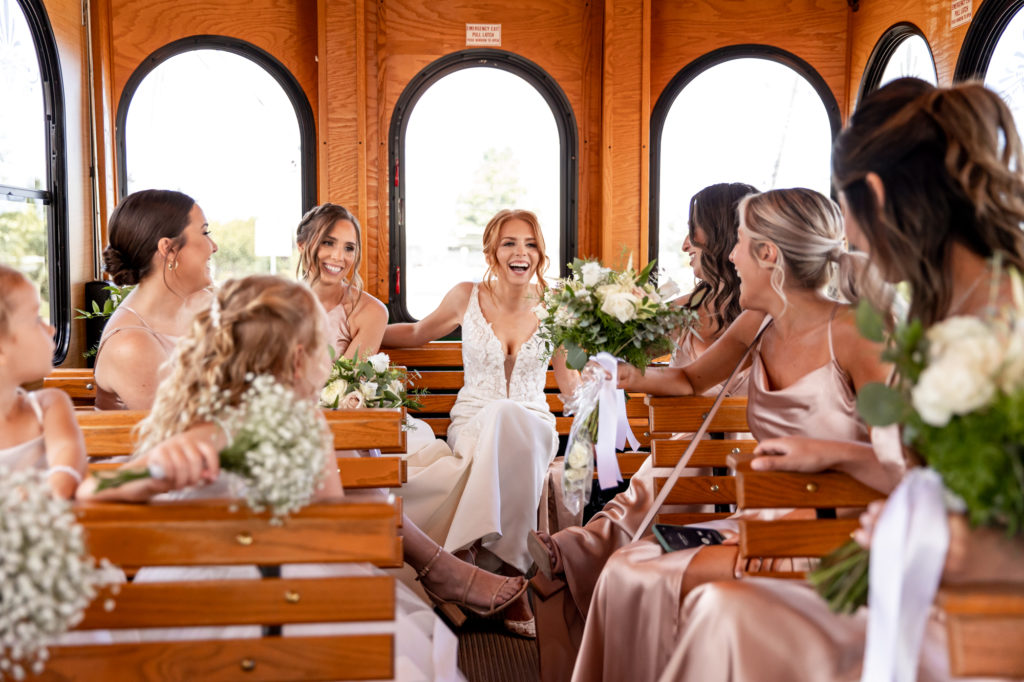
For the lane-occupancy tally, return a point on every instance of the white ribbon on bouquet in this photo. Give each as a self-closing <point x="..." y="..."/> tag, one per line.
<point x="611" y="411"/>
<point x="908" y="551"/>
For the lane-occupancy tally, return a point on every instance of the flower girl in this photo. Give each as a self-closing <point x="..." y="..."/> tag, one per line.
<point x="37" y="429"/>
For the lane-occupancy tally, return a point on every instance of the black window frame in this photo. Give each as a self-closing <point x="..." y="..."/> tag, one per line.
<point x="54" y="198"/>
<point x="686" y="75"/>
<point x="565" y="122"/>
<point x="987" y="27"/>
<point x="257" y="55"/>
<point x="883" y="51"/>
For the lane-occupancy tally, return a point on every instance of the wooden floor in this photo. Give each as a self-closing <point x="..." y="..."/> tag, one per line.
<point x="487" y="653"/>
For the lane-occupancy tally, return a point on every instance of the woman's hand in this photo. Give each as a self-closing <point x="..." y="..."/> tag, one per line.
<point x="792" y="453"/>
<point x="868" y="521"/>
<point x="187" y="459"/>
<point x="627" y="376"/>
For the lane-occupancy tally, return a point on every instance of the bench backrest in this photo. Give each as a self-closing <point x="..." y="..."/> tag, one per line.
<point x="214" y="534"/>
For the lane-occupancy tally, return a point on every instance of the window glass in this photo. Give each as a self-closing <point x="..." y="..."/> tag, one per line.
<point x="478" y="140"/>
<point x="24" y="219"/>
<point x="217" y="126"/>
<point x="1005" y="72"/>
<point x="911" y="58"/>
<point x="744" y="120"/>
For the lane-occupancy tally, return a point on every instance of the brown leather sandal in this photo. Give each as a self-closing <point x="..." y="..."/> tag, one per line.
<point x="454" y="610"/>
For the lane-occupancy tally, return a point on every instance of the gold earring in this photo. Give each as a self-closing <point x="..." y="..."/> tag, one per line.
<point x="172" y="265"/>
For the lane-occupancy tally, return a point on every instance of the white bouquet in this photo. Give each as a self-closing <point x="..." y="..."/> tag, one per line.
<point x="277" y="447"/>
<point x="46" y="577"/>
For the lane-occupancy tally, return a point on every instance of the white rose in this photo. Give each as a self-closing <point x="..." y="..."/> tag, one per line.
<point x="618" y="302"/>
<point x="541" y="312"/>
<point x="950" y="387"/>
<point x="579" y="455"/>
<point x="968" y="341"/>
<point x="333" y="391"/>
<point x="592" y="273"/>
<point x="368" y="389"/>
<point x="396" y="387"/>
<point x="380" y="362"/>
<point x="352" y="401"/>
<point x="668" y="290"/>
<point x="574" y="475"/>
<point x="581" y="293"/>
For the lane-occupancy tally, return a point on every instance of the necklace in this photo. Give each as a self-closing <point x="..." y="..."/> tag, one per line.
<point x="955" y="306"/>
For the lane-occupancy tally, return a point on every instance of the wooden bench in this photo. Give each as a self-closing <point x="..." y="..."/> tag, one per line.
<point x="111" y="434"/>
<point x="77" y="382"/>
<point x="439" y="365"/>
<point x="670" y="415"/>
<point x="985" y="628"/>
<point x="212" y="534"/>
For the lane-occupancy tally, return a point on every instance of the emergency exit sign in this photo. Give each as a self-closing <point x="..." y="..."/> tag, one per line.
<point x="478" y="35"/>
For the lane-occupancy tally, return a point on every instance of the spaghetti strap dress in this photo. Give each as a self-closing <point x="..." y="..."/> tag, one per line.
<point x="110" y="400"/>
<point x="642" y="586"/>
<point x="32" y="453"/>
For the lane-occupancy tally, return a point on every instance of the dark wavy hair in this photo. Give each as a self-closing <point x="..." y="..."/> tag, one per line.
<point x="714" y="211"/>
<point x="950" y="163"/>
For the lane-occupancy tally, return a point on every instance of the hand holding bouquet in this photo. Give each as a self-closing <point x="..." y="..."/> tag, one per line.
<point x="960" y="401"/>
<point x="369" y="382"/>
<point x="276" y="448"/>
<point x="46" y="577"/>
<point x="606" y="315"/>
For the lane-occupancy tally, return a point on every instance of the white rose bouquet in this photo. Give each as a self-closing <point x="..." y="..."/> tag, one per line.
<point x="960" y="402"/>
<point x="276" y="450"/>
<point x="598" y="310"/>
<point x="46" y="577"/>
<point x="368" y="382"/>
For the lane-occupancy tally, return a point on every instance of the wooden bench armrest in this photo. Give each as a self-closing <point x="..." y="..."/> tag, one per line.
<point x="684" y="414"/>
<point x="782" y="490"/>
<point x="796" y="538"/>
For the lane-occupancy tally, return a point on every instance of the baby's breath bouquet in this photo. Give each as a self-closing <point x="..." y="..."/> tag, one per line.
<point x="596" y="311"/>
<point x="368" y="382"/>
<point x="276" y="450"/>
<point x="960" y="402"/>
<point x="46" y="577"/>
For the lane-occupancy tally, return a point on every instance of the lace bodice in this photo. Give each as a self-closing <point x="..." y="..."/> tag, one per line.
<point x="483" y="361"/>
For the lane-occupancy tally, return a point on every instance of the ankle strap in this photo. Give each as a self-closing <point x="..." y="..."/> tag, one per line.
<point x="422" y="573"/>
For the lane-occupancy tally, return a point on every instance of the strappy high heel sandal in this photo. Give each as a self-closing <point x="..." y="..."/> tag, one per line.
<point x="454" y="611"/>
<point x="546" y="556"/>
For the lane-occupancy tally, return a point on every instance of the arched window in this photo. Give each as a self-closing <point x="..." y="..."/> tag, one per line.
<point x="753" y="114"/>
<point x="475" y="132"/>
<point x="901" y="51"/>
<point x="33" y="202"/>
<point x="993" y="50"/>
<point x="227" y="124"/>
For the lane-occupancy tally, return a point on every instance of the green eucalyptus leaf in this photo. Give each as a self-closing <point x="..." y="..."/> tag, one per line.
<point x="870" y="322"/>
<point x="880" y="405"/>
<point x="575" y="357"/>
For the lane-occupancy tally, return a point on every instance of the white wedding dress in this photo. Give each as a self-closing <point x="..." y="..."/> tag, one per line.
<point x="502" y="426"/>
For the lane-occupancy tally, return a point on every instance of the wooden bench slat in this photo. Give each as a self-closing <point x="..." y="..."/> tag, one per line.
<point x="985" y="626"/>
<point x="797" y="538"/>
<point x="685" y="519"/>
<point x="354" y="657"/>
<point x="782" y="490"/>
<point x="244" y="602"/>
<point x="709" y="453"/>
<point x="684" y="414"/>
<point x="700" y="490"/>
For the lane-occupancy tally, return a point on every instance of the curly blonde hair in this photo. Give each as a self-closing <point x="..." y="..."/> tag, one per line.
<point x="493" y="231"/>
<point x="254" y="326"/>
<point x="807" y="229"/>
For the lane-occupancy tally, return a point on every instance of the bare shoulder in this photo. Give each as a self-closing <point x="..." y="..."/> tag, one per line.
<point x="131" y="349"/>
<point x="53" y="398"/>
<point x="370" y="308"/>
<point x="457" y="297"/>
<point x="845" y="333"/>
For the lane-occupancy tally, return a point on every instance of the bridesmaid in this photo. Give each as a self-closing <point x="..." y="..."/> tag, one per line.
<point x="330" y="251"/>
<point x="570" y="560"/>
<point x="805" y="371"/>
<point x="934" y="219"/>
<point x="159" y="241"/>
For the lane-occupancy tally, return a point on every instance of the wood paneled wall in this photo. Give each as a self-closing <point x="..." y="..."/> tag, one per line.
<point x="353" y="59"/>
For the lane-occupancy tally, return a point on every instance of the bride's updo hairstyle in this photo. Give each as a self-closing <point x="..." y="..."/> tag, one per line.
<point x="254" y="326"/>
<point x="714" y="211"/>
<point x="493" y="231"/>
<point x="312" y="229"/>
<point x="807" y="229"/>
<point x="950" y="164"/>
<point x="136" y="227"/>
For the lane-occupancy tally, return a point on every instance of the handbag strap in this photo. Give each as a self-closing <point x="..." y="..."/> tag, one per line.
<point x="685" y="459"/>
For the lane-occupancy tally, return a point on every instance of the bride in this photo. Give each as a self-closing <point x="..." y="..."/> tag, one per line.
<point x="501" y="423"/>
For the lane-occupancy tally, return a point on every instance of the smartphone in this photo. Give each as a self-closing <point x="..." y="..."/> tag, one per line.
<point x="673" y="538"/>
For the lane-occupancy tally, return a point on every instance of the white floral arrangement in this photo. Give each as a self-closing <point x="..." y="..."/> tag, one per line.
<point x="276" y="450"/>
<point x="368" y="382"/>
<point x="46" y="577"/>
<point x="600" y="310"/>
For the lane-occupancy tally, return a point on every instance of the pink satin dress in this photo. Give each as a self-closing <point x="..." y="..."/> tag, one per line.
<point x="110" y="400"/>
<point x="635" y="616"/>
<point x="562" y="604"/>
<point x="338" y="333"/>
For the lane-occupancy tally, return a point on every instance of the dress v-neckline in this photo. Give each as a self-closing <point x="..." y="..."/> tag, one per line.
<point x="494" y="335"/>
